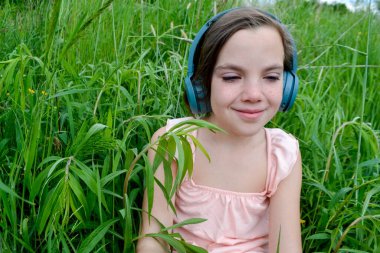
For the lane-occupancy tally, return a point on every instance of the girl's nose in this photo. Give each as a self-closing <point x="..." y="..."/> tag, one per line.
<point x="251" y="91"/>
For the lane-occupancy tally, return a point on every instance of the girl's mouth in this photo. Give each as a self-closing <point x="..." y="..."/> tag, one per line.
<point x="249" y="114"/>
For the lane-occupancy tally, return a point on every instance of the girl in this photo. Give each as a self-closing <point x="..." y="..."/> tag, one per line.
<point x="244" y="62"/>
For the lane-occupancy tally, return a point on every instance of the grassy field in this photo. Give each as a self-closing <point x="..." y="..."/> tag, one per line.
<point x="84" y="84"/>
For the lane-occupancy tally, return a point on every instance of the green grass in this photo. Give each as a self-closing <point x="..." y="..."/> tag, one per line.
<point x="84" y="84"/>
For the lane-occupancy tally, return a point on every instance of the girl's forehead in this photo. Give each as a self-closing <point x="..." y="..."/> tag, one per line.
<point x="262" y="32"/>
<point x="250" y="43"/>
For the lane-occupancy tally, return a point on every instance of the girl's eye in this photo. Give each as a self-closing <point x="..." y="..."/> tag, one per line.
<point x="272" y="78"/>
<point x="230" y="78"/>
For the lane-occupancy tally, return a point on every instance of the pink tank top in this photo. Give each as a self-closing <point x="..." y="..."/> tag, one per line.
<point x="236" y="222"/>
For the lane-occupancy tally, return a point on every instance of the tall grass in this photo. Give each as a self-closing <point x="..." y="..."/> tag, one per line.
<point x="84" y="84"/>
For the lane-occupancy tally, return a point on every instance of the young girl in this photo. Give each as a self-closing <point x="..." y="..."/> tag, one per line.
<point x="244" y="64"/>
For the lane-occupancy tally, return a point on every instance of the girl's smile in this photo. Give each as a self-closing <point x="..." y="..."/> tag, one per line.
<point x="249" y="114"/>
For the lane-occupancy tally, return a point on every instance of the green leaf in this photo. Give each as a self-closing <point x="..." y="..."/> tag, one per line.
<point x="164" y="158"/>
<point x="7" y="76"/>
<point x="30" y="152"/>
<point x="63" y="238"/>
<point x="54" y="16"/>
<point x="7" y="189"/>
<point x="181" y="172"/>
<point x="78" y="192"/>
<point x="70" y="91"/>
<point x="320" y="187"/>
<point x="338" y="196"/>
<point x="108" y="178"/>
<point x="183" y="125"/>
<point x="144" y="124"/>
<point x="86" y="175"/>
<point x="54" y="166"/>
<point x="319" y="236"/>
<point x="108" y="131"/>
<point x="188" y="155"/>
<point x="372" y="192"/>
<point x="98" y="234"/>
<point x="198" y="145"/>
<point x="25" y="230"/>
<point x="166" y="194"/>
<point x="185" y="222"/>
<point x="100" y="195"/>
<point x="194" y="249"/>
<point x="75" y="209"/>
<point x="128" y="240"/>
<point x="93" y="130"/>
<point x="24" y="244"/>
<point x="149" y="183"/>
<point x="43" y="175"/>
<point x="49" y="206"/>
<point x="160" y="153"/>
<point x="370" y="163"/>
<point x="176" y="244"/>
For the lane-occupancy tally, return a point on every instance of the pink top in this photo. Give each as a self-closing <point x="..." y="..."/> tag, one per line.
<point x="236" y="221"/>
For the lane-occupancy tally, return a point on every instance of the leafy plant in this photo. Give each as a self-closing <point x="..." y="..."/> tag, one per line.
<point x="84" y="84"/>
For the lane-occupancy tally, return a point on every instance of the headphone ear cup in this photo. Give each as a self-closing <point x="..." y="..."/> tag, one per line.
<point x="289" y="91"/>
<point x="197" y="96"/>
<point x="203" y="100"/>
<point x="190" y="94"/>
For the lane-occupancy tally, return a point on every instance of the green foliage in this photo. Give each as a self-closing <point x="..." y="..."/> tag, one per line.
<point x="84" y="84"/>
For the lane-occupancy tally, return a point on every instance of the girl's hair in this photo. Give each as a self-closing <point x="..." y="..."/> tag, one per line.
<point x="226" y="26"/>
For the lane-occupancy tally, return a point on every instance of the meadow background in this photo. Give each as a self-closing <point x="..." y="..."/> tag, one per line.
<point x="84" y="84"/>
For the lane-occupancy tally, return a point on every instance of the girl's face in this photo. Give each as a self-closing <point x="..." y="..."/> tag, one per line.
<point x="247" y="81"/>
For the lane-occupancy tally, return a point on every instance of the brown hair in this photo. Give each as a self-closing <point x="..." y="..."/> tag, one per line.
<point x="226" y="26"/>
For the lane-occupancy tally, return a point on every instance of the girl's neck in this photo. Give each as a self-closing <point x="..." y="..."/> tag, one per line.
<point x="225" y="138"/>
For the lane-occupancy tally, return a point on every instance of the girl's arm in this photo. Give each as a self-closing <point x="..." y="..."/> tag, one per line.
<point x="284" y="213"/>
<point x="160" y="211"/>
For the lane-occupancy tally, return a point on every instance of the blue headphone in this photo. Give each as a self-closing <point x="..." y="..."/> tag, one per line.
<point x="195" y="90"/>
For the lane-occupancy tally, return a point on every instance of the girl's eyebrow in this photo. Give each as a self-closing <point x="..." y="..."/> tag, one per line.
<point x="228" y="66"/>
<point x="274" y="67"/>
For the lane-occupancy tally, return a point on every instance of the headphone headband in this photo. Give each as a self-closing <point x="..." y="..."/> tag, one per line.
<point x="197" y="39"/>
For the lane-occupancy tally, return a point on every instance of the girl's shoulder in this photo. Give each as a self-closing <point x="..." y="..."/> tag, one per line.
<point x="281" y="137"/>
<point x="283" y="152"/>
